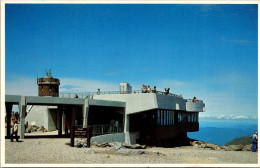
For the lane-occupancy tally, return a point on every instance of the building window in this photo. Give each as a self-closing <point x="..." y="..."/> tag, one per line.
<point x="180" y="117"/>
<point x="171" y="117"/>
<point x="188" y="117"/>
<point x="161" y="117"/>
<point x="164" y="117"/>
<point x="158" y="117"/>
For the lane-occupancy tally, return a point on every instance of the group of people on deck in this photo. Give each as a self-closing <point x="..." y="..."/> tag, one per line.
<point x="148" y="89"/>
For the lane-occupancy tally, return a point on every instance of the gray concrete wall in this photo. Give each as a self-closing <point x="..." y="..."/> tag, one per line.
<point x="40" y="116"/>
<point x="36" y="115"/>
<point x="50" y="120"/>
<point x="170" y="102"/>
<point x="140" y="102"/>
<point x="190" y="106"/>
<point x="134" y="102"/>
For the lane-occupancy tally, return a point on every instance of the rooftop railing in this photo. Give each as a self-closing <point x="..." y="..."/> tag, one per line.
<point x="91" y="94"/>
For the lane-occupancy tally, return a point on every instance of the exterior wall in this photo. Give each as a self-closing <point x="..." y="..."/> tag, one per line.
<point x="52" y="119"/>
<point x="170" y="102"/>
<point x="48" y="86"/>
<point x="134" y="102"/>
<point x="36" y="115"/>
<point x="139" y="102"/>
<point x="190" y="106"/>
<point x="41" y="116"/>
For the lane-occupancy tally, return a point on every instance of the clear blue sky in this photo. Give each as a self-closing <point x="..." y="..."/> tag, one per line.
<point x="207" y="51"/>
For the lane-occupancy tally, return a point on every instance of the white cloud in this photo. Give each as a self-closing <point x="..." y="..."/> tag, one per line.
<point x="241" y="117"/>
<point x="227" y="117"/>
<point x="21" y="86"/>
<point x="204" y="116"/>
<point x="222" y="117"/>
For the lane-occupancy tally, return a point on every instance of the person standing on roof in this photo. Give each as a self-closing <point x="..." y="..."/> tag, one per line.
<point x="166" y="91"/>
<point x="98" y="92"/>
<point x="144" y="89"/>
<point x="149" y="89"/>
<point x="154" y="89"/>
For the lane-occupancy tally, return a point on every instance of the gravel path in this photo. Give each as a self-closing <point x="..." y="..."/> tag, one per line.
<point x="55" y="151"/>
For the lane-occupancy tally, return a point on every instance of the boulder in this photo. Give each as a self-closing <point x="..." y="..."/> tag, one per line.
<point x="220" y="148"/>
<point x="211" y="146"/>
<point x="34" y="128"/>
<point x="202" y="145"/>
<point x="111" y="144"/>
<point x="234" y="148"/>
<point x="105" y="144"/>
<point x="94" y="143"/>
<point x="247" y="148"/>
<point x="85" y="145"/>
<point x="143" y="146"/>
<point x="117" y="145"/>
<point x="197" y="143"/>
<point x="41" y="128"/>
<point x="29" y="129"/>
<point x="78" y="144"/>
<point x="135" y="146"/>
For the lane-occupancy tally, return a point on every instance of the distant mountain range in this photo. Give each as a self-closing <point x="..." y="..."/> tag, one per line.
<point x="222" y="135"/>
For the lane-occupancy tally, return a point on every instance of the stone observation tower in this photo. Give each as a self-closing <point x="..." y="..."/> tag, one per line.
<point x="48" y="86"/>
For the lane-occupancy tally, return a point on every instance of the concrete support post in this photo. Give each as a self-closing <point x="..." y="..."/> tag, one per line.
<point x="85" y="113"/>
<point x="126" y="129"/>
<point x="8" y="107"/>
<point x="59" y="120"/>
<point x="73" y="116"/>
<point x="63" y="122"/>
<point x="22" y="111"/>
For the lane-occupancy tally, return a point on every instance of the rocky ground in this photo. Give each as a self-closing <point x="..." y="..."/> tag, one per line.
<point x="56" y="151"/>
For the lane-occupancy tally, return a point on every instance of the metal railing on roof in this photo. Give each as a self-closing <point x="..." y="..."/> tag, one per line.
<point x="90" y="94"/>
